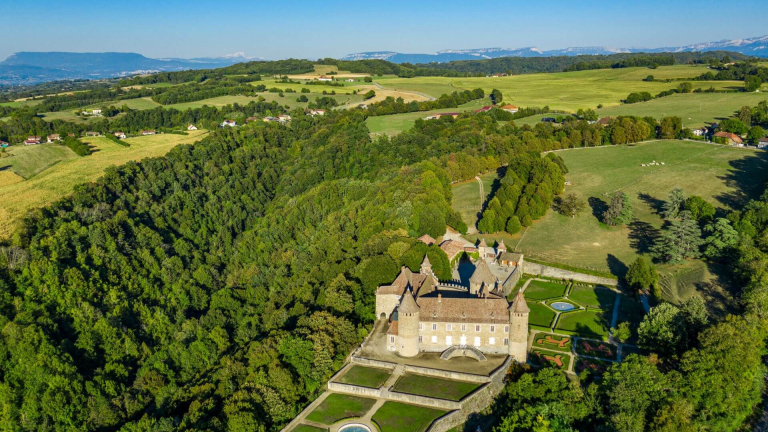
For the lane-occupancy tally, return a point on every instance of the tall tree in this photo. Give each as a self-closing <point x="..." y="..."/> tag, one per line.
<point x="619" y="211"/>
<point x="721" y="239"/>
<point x="680" y="241"/>
<point x="675" y="202"/>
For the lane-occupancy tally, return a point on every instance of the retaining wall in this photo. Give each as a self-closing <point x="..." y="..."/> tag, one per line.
<point x="374" y="363"/>
<point x="532" y="268"/>
<point x="355" y="390"/>
<point x="459" y="376"/>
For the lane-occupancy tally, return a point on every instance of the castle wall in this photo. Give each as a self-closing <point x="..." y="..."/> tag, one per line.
<point x="556" y="273"/>
<point x="485" y="334"/>
<point x="386" y="304"/>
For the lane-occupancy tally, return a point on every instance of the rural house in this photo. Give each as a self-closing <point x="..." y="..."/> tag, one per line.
<point x="730" y="138"/>
<point x="96" y="112"/>
<point x="762" y="142"/>
<point x="228" y="123"/>
<point x="119" y="135"/>
<point x="437" y="116"/>
<point x="32" y="140"/>
<point x="314" y="112"/>
<point x="325" y="78"/>
<point x="4" y="144"/>
<point x="350" y="80"/>
<point x="270" y="119"/>
<point x="147" y="132"/>
<point x="53" y="137"/>
<point x="605" y="121"/>
<point x="284" y="118"/>
<point x="510" y="108"/>
<point x="484" y="109"/>
<point x="191" y="127"/>
<point x="362" y="106"/>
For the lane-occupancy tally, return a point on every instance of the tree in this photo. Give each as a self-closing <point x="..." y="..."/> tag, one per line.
<point x="685" y="87"/>
<point x="496" y="96"/>
<point x="670" y="127"/>
<point x="734" y="125"/>
<point x="369" y="94"/>
<point x="623" y="332"/>
<point x="570" y="205"/>
<point x="641" y="275"/>
<point x="619" y="210"/>
<point x="745" y="115"/>
<point x="513" y="225"/>
<point x="752" y="83"/>
<point x="680" y="241"/>
<point x="662" y="329"/>
<point x="674" y="203"/>
<point x="755" y="133"/>
<point x="634" y="391"/>
<point x="721" y="239"/>
<point x="699" y="208"/>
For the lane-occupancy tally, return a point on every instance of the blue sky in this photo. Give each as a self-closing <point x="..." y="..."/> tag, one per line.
<point x="311" y="29"/>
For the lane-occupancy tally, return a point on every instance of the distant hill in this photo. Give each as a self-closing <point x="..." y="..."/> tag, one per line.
<point x="757" y="47"/>
<point x="36" y="67"/>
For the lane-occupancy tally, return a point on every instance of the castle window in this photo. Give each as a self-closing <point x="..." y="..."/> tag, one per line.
<point x="492" y="341"/>
<point x="506" y="341"/>
<point x="434" y="326"/>
<point x="391" y="339"/>
<point x="448" y="327"/>
<point x="477" y="341"/>
<point x="506" y="329"/>
<point x="493" y="329"/>
<point x="421" y="326"/>
<point x="420" y="339"/>
<point x="463" y="327"/>
<point x="448" y="340"/>
<point x="477" y="328"/>
<point x="434" y="339"/>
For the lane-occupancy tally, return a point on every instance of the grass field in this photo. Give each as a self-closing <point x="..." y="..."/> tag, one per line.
<point x="565" y="90"/>
<point x="21" y="103"/>
<point x="590" y="323"/>
<point x="400" y="417"/>
<point x="696" y="109"/>
<point x="70" y="116"/>
<point x="540" y="290"/>
<point x="466" y="197"/>
<point x="365" y="376"/>
<point x="434" y="387"/>
<point x="724" y="176"/>
<point x="337" y="407"/>
<point x="540" y="315"/>
<point x="593" y="297"/>
<point x="26" y="161"/>
<point x="58" y="180"/>
<point x="396" y="123"/>
<point x="307" y="428"/>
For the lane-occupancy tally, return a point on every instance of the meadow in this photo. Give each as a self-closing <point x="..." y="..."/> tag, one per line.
<point x="58" y="180"/>
<point x="26" y="161"/>
<point x="396" y="123"/>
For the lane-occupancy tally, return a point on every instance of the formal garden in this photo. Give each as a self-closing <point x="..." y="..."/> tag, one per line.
<point x="541" y="357"/>
<point x="434" y="387"/>
<point x="553" y="342"/>
<point x="400" y="417"/>
<point x="307" y="428"/>
<point x="365" y="376"/>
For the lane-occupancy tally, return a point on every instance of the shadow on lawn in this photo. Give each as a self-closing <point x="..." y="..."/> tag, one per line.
<point x="598" y="207"/>
<point x="656" y="205"/>
<point x="615" y="266"/>
<point x="746" y="178"/>
<point x="642" y="236"/>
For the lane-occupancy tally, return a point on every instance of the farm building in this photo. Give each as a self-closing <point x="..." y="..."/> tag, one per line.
<point x="96" y="112"/>
<point x="605" y="121"/>
<point x="228" y="123"/>
<point x="762" y="142"/>
<point x="53" y="137"/>
<point x="437" y="116"/>
<point x="325" y="78"/>
<point x="350" y="80"/>
<point x="484" y="109"/>
<point x="119" y="135"/>
<point x="700" y="132"/>
<point x="731" y="138"/>
<point x="32" y="140"/>
<point x="510" y="108"/>
<point x="191" y="127"/>
<point x="147" y="132"/>
<point x="362" y="106"/>
<point x="452" y="248"/>
<point x="284" y="118"/>
<point x="314" y="112"/>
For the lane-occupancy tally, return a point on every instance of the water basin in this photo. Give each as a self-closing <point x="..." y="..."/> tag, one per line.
<point x="354" y="427"/>
<point x="562" y="306"/>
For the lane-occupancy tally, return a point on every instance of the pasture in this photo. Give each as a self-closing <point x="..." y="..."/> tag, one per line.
<point x="567" y="91"/>
<point x="26" y="161"/>
<point x="466" y="196"/>
<point x="396" y="123"/>
<point x="58" y="179"/>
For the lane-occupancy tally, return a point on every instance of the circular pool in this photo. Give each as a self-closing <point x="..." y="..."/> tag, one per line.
<point x="354" y="427"/>
<point x="562" y="306"/>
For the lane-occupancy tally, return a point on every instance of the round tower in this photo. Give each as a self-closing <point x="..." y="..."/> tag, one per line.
<point x="518" y="328"/>
<point x="408" y="326"/>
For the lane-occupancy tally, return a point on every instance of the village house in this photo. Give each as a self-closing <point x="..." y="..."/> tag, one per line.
<point x="191" y="127"/>
<point x="731" y="138"/>
<point x="71" y="135"/>
<point x="228" y="123"/>
<point x="762" y="142"/>
<point x="510" y="108"/>
<point x="437" y="116"/>
<point x="325" y="78"/>
<point x="284" y="118"/>
<point x="3" y="144"/>
<point x="96" y="112"/>
<point x="350" y="80"/>
<point x="314" y="112"/>
<point x="119" y="135"/>
<point x="700" y="132"/>
<point x="32" y="140"/>
<point x="426" y="315"/>
<point x="147" y="132"/>
<point x="53" y="137"/>
<point x="92" y="134"/>
<point x="484" y="109"/>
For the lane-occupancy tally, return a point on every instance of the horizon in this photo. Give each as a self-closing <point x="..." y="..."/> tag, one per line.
<point x="176" y="29"/>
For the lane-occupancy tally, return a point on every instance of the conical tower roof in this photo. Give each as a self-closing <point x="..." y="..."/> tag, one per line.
<point x="501" y="246"/>
<point x="426" y="263"/>
<point x="519" y="305"/>
<point x="408" y="303"/>
<point x="482" y="274"/>
<point x="482" y="243"/>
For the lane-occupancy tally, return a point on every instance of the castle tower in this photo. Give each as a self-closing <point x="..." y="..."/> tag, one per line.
<point x="426" y="266"/>
<point x="501" y="247"/>
<point x="481" y="276"/>
<point x="518" y="329"/>
<point x="481" y="248"/>
<point x="408" y="326"/>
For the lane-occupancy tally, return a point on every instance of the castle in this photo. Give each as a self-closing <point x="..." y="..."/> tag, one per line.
<point x="425" y="315"/>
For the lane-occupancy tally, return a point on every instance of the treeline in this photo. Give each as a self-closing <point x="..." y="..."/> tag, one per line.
<point x="736" y="72"/>
<point x="527" y="189"/>
<point x="276" y="67"/>
<point x="646" y="60"/>
<point x="77" y="146"/>
<point x="196" y="92"/>
<point x="397" y="106"/>
<point x="90" y="97"/>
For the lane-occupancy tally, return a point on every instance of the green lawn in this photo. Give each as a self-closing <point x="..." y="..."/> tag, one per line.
<point x="434" y="387"/>
<point x="540" y="315"/>
<point x="593" y="324"/>
<point x="552" y="342"/>
<point x="307" y="428"/>
<point x="593" y="296"/>
<point x="396" y="123"/>
<point x="337" y="407"/>
<point x="365" y="376"/>
<point x="725" y="176"/>
<point x="541" y="290"/>
<point x="27" y="161"/>
<point x="466" y="197"/>
<point x="695" y="109"/>
<point x="400" y="417"/>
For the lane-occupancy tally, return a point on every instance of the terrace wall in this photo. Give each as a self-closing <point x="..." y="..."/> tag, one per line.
<point x="557" y="273"/>
<point x="458" y="376"/>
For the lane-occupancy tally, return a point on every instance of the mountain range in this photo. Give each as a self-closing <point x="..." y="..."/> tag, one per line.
<point x="757" y="46"/>
<point x="36" y="67"/>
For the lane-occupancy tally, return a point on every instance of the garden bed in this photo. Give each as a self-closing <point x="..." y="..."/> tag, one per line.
<point x="552" y="342"/>
<point x="601" y="350"/>
<point x="597" y="367"/>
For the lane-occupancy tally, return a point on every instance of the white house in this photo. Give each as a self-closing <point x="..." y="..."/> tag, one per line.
<point x="314" y="112"/>
<point x="700" y="132"/>
<point x="350" y="80"/>
<point x="284" y="118"/>
<point x="228" y="123"/>
<point x="762" y="142"/>
<point x="148" y="132"/>
<point x="325" y="78"/>
<point x="191" y="127"/>
<point x="120" y="135"/>
<point x="96" y="112"/>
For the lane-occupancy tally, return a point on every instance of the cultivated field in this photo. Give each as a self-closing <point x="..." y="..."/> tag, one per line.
<point x="50" y="184"/>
